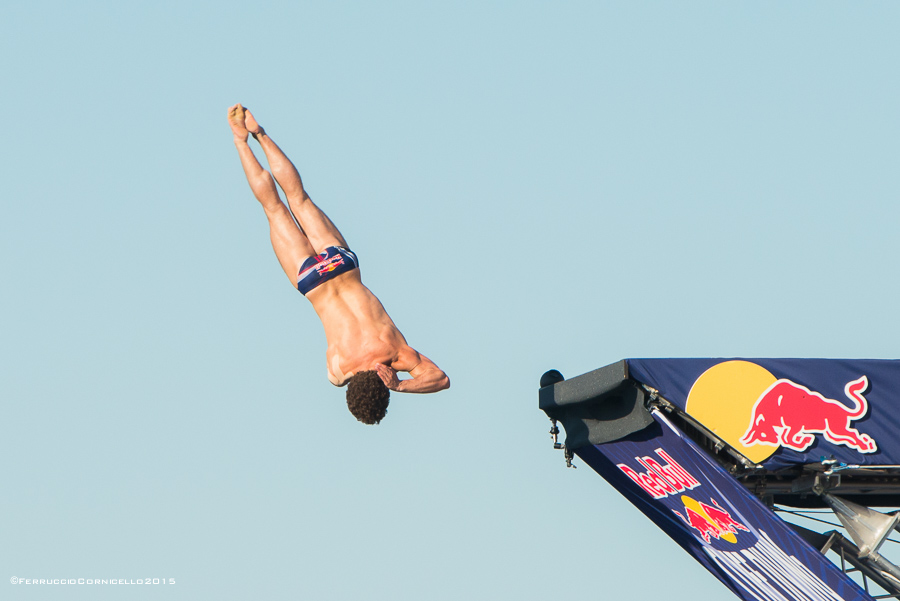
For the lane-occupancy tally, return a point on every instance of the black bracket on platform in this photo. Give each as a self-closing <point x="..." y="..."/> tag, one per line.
<point x="600" y="406"/>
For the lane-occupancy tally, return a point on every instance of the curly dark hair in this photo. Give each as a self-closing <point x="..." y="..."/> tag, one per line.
<point x="367" y="397"/>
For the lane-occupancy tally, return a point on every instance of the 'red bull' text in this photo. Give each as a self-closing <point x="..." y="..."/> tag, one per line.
<point x="660" y="479"/>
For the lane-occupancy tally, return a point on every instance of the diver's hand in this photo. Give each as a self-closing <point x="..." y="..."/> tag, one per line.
<point x="388" y="375"/>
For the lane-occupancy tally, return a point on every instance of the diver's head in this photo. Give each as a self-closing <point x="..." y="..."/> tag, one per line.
<point x="367" y="397"/>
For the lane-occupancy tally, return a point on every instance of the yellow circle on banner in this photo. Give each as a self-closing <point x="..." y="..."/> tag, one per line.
<point x="722" y="400"/>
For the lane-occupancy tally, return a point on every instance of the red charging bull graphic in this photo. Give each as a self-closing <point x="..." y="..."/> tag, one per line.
<point x="710" y="521"/>
<point x="790" y="415"/>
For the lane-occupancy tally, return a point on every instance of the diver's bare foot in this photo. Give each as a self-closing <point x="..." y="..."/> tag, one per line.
<point x="236" y="119"/>
<point x="252" y="126"/>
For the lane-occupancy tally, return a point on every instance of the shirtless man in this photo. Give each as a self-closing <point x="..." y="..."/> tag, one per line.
<point x="365" y="348"/>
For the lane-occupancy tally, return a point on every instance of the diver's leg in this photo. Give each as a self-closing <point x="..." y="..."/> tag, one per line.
<point x="320" y="230"/>
<point x="290" y="245"/>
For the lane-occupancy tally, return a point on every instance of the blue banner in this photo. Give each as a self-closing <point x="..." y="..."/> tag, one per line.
<point x="784" y="412"/>
<point x="715" y="519"/>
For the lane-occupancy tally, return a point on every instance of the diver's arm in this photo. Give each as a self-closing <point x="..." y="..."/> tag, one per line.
<point x="426" y="376"/>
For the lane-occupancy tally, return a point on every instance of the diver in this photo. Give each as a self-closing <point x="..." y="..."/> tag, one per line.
<point x="365" y="348"/>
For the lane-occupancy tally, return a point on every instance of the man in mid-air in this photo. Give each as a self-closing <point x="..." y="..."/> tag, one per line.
<point x="365" y="348"/>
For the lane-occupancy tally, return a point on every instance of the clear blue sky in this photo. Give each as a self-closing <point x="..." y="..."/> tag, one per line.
<point x="529" y="185"/>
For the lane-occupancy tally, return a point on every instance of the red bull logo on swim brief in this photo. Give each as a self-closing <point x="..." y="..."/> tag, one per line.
<point x="757" y="413"/>
<point x="329" y="264"/>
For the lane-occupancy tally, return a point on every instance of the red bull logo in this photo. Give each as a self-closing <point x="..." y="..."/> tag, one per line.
<point x="790" y="415"/>
<point x="710" y="521"/>
<point x="660" y="479"/>
<point x="329" y="264"/>
<point x="757" y="413"/>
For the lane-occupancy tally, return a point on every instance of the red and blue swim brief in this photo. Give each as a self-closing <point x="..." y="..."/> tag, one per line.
<point x="332" y="262"/>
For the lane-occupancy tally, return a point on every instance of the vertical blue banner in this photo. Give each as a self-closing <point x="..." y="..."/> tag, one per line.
<point x="714" y="518"/>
